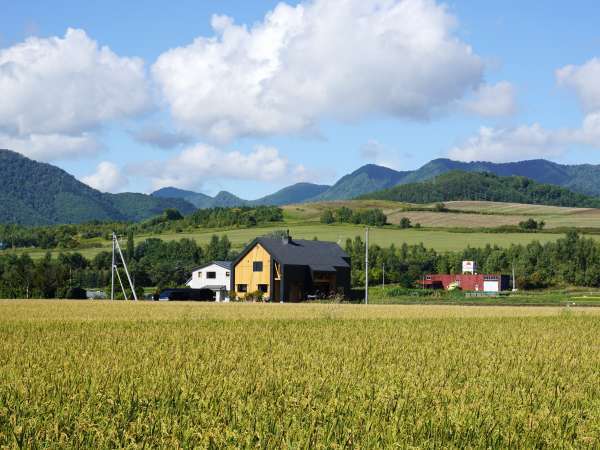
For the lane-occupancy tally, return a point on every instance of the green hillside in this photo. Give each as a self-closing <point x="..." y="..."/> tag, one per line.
<point x="34" y="193"/>
<point x="296" y="193"/>
<point x="459" y="185"/>
<point x="366" y="179"/>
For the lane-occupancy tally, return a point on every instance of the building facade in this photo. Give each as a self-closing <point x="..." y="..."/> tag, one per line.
<point x="468" y="282"/>
<point x="215" y="276"/>
<point x="285" y="270"/>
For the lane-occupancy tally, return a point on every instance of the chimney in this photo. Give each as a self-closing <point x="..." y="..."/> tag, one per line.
<point x="286" y="238"/>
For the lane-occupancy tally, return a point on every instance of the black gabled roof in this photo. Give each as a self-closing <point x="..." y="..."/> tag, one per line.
<point x="301" y="252"/>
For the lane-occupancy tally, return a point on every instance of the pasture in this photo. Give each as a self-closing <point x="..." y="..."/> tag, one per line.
<point x="105" y="375"/>
<point x="441" y="240"/>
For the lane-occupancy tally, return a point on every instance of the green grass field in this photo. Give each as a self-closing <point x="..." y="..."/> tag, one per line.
<point x="114" y="375"/>
<point x="438" y="239"/>
<point x="303" y="223"/>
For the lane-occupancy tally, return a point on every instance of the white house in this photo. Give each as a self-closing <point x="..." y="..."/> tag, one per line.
<point x="215" y="276"/>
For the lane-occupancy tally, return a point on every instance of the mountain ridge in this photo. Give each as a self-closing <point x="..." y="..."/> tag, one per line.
<point x="35" y="193"/>
<point x="486" y="186"/>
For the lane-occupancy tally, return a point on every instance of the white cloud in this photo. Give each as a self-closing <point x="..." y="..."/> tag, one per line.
<point x="374" y="152"/>
<point x="534" y="141"/>
<point x="42" y="147"/>
<point x="194" y="165"/>
<point x="321" y="59"/>
<point x="585" y="81"/>
<point x="493" y="100"/>
<point x="66" y="87"/>
<point x="107" y="178"/>
<point x="510" y="144"/>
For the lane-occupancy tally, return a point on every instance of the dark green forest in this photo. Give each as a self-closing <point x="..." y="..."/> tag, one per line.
<point x="458" y="185"/>
<point x="35" y="193"/>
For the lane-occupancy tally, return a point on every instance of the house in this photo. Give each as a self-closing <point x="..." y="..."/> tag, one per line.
<point x="283" y="269"/>
<point x="468" y="282"/>
<point x="214" y="276"/>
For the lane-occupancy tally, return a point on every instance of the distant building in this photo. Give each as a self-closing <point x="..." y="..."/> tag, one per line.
<point x="215" y="276"/>
<point x="283" y="269"/>
<point x="468" y="282"/>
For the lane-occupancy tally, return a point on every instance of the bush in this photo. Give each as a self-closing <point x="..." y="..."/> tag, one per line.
<point x="405" y="222"/>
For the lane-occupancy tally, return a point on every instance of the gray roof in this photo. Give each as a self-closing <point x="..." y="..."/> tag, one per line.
<point x="224" y="264"/>
<point x="304" y="253"/>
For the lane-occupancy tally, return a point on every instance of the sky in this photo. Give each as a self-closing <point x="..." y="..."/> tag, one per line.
<point x="252" y="96"/>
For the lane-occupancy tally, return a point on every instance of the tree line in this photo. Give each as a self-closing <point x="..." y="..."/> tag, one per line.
<point x="571" y="260"/>
<point x="373" y="217"/>
<point x="78" y="236"/>
<point x="152" y="263"/>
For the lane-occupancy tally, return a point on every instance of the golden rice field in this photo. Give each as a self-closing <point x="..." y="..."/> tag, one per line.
<point x="105" y="375"/>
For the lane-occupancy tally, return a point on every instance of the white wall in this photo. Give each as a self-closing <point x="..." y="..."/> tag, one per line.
<point x="199" y="279"/>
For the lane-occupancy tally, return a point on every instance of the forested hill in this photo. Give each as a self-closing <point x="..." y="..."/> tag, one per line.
<point x="459" y="185"/>
<point x="34" y="193"/>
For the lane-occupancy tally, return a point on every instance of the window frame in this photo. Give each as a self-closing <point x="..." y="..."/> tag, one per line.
<point x="242" y="287"/>
<point x="256" y="265"/>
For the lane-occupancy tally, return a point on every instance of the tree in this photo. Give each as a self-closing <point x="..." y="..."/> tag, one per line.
<point x="327" y="216"/>
<point x="130" y="249"/>
<point x="405" y="222"/>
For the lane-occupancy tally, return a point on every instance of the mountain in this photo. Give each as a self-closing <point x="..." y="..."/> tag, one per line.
<point x="34" y="193"/>
<point x="296" y="193"/>
<point x="366" y="179"/>
<point x="582" y="178"/>
<point x="461" y="185"/>
<point x="201" y="201"/>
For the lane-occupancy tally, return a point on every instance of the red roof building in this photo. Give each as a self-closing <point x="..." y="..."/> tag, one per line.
<point x="468" y="282"/>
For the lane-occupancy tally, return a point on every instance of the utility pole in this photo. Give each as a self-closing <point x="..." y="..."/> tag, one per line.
<point x="514" y="282"/>
<point x="383" y="275"/>
<point x="112" y="270"/>
<point x="117" y="247"/>
<point x="367" y="266"/>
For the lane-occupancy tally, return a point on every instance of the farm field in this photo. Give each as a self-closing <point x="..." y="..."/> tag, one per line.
<point x="439" y="239"/>
<point x="102" y="374"/>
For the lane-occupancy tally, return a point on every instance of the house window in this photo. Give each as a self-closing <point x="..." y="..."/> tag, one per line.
<point x="263" y="287"/>
<point x="242" y="288"/>
<point x="226" y="274"/>
<point x="211" y="274"/>
<point x="257" y="266"/>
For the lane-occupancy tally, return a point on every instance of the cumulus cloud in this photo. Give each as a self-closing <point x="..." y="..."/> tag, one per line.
<point x="535" y="141"/>
<point x="585" y="81"/>
<point x="66" y="87"/>
<point x="344" y="60"/>
<point x="196" y="164"/>
<point x="106" y="178"/>
<point x="510" y="144"/>
<point x="493" y="100"/>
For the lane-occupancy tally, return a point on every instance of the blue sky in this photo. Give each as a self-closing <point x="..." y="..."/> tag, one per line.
<point x="276" y="95"/>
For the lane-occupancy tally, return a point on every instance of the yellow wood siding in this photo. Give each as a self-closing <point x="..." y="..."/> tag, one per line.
<point x="244" y="273"/>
